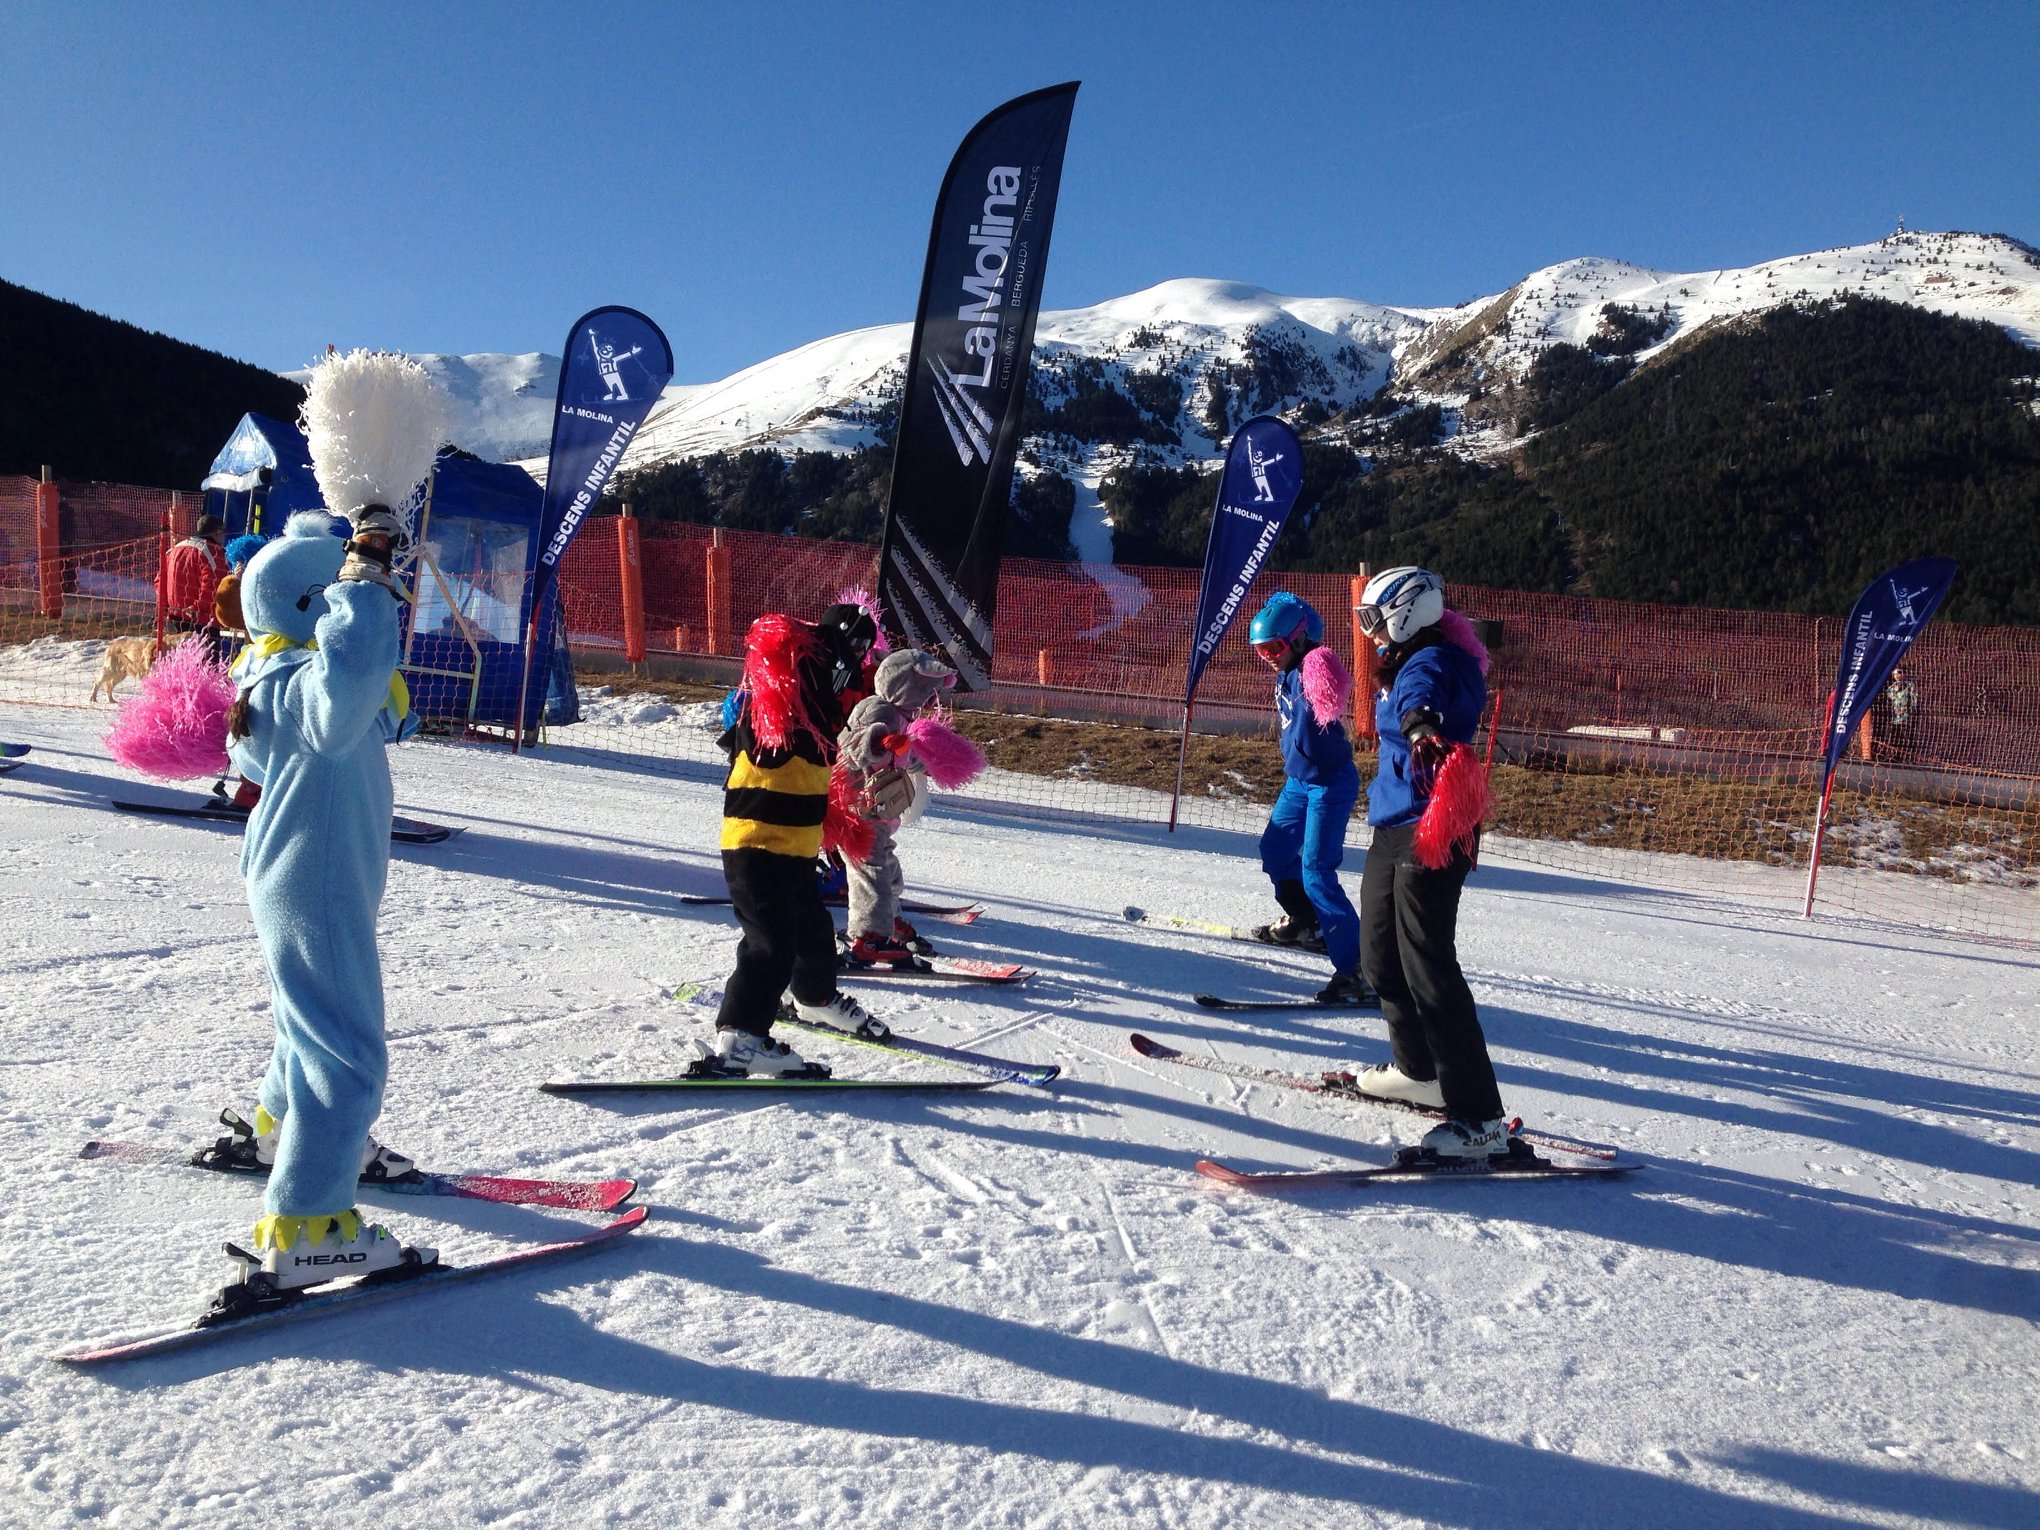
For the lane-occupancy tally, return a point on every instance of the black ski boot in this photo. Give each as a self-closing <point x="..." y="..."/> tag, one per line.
<point x="1298" y="926"/>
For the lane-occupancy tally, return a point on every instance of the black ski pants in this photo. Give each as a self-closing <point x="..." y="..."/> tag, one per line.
<point x="789" y="938"/>
<point x="1409" y="926"/>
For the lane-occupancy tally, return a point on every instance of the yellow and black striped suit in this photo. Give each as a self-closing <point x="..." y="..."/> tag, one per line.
<point x="773" y="805"/>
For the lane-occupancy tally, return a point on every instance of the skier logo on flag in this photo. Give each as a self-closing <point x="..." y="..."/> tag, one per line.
<point x="1903" y="599"/>
<point x="607" y="364"/>
<point x="1258" y="464"/>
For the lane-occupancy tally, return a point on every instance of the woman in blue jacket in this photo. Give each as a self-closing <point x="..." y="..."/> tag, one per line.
<point x="1433" y="673"/>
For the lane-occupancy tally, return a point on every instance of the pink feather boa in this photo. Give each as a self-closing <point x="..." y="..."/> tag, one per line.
<point x="176" y="729"/>
<point x="1460" y="799"/>
<point x="1459" y="633"/>
<point x="1326" y="686"/>
<point x="950" y="759"/>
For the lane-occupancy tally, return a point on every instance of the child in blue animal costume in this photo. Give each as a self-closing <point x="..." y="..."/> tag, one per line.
<point x="319" y="701"/>
<point x="1306" y="835"/>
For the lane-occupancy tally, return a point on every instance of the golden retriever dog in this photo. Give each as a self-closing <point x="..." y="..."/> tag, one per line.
<point x="127" y="658"/>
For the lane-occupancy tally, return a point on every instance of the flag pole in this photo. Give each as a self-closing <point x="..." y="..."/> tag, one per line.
<point x="1820" y="816"/>
<point x="1182" y="752"/>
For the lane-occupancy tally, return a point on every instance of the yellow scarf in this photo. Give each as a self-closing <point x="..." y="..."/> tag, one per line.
<point x="270" y="644"/>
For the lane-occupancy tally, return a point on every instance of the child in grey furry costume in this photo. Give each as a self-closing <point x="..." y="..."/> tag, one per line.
<point x="878" y="755"/>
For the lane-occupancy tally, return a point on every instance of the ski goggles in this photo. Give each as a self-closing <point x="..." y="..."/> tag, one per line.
<point x="1371" y="619"/>
<point x="1272" y="649"/>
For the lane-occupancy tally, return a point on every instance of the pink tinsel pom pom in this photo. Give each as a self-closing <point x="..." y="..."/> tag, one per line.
<point x="176" y="729"/>
<point x="1459" y="632"/>
<point x="1459" y="801"/>
<point x="864" y="600"/>
<point x="845" y="829"/>
<point x="950" y="759"/>
<point x="1326" y="685"/>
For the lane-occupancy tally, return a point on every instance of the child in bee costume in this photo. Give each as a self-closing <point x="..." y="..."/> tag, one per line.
<point x="776" y="807"/>
<point x="888" y="753"/>
<point x="319" y="701"/>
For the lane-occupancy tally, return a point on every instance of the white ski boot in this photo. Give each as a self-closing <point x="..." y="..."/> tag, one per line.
<point x="294" y="1252"/>
<point x="739" y="1054"/>
<point x="845" y="1014"/>
<point x="1385" y="1081"/>
<point x="1464" y="1140"/>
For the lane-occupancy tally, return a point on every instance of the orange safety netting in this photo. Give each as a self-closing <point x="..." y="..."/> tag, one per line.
<point x="1668" y="745"/>
<point x="57" y="617"/>
<point x="1688" y="735"/>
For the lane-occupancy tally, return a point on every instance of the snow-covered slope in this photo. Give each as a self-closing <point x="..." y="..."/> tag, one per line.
<point x="1264" y="350"/>
<point x="1812" y="1307"/>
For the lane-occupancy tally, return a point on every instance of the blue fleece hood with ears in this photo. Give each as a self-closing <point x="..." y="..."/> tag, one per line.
<point x="283" y="589"/>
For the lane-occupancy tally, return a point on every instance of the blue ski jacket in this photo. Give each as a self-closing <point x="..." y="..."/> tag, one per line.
<point x="1314" y="755"/>
<point x="1443" y="678"/>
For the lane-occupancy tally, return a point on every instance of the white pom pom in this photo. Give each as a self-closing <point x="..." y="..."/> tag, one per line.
<point x="375" y="422"/>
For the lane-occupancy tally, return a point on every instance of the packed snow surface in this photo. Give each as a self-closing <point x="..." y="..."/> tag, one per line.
<point x="1813" y="1305"/>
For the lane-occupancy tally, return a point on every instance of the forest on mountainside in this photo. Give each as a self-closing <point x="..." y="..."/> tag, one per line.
<point x="96" y="398"/>
<point x="1777" y="463"/>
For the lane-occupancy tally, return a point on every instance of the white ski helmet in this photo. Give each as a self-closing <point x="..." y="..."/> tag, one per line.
<point x="1398" y="603"/>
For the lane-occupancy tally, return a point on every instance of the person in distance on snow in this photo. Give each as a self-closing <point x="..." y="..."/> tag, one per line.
<point x="319" y="700"/>
<point x="776" y="803"/>
<point x="1425" y="803"/>
<point x="1306" y="835"/>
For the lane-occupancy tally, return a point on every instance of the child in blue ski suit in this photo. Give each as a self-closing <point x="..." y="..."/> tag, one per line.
<point x="1306" y="835"/>
<point x="319" y="700"/>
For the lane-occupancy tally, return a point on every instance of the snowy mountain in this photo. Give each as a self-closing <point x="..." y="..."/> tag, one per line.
<point x="1193" y="357"/>
<point x="1490" y="340"/>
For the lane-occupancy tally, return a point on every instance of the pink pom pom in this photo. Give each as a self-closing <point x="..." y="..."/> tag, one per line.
<point x="176" y="729"/>
<point x="950" y="759"/>
<point x="1326" y="685"/>
<point x="845" y="829"/>
<point x="1459" y="632"/>
<point x="1460" y="799"/>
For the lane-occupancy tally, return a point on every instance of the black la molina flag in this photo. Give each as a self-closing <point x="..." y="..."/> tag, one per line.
<point x="967" y="380"/>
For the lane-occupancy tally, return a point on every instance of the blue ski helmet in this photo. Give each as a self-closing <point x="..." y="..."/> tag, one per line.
<point x="1285" y="616"/>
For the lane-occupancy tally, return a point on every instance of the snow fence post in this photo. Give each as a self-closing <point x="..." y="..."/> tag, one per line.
<point x="718" y="593"/>
<point x="1363" y="665"/>
<point x="631" y="575"/>
<point x="49" y="550"/>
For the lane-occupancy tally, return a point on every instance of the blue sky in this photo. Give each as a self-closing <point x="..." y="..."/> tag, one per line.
<point x="266" y="179"/>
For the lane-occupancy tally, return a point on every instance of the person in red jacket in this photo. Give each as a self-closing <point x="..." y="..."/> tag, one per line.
<point x="197" y="564"/>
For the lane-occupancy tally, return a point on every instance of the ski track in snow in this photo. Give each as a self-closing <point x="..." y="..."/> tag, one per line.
<point x="1018" y="1308"/>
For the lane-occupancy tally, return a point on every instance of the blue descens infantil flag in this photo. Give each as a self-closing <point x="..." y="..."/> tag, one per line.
<point x="614" y="367"/>
<point x="1886" y="618"/>
<point x="966" y="380"/>
<point x="1263" y="472"/>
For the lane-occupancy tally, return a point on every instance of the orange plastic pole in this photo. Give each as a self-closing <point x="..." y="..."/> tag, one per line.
<point x="1363" y="665"/>
<point x="1494" y="725"/>
<point x="1044" y="667"/>
<point x="632" y="573"/>
<point x="49" y="546"/>
<point x="162" y="578"/>
<point x="719" y="619"/>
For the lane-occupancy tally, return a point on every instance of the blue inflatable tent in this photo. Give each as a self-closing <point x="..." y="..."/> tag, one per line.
<point x="261" y="475"/>
<point x="464" y="654"/>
